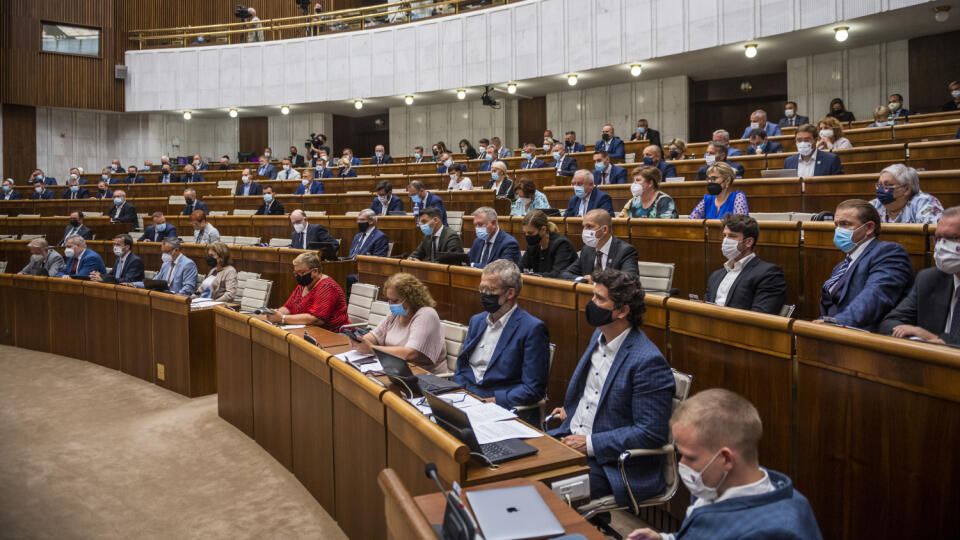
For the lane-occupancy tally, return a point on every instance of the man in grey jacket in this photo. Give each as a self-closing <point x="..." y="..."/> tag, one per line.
<point x="44" y="261"/>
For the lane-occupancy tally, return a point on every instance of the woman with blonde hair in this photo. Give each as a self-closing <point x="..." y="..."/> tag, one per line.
<point x="499" y="181"/>
<point x="412" y="330"/>
<point x="831" y="135"/>
<point x="317" y="300"/>
<point x="880" y="115"/>
<point x="548" y="252"/>
<point x="676" y="148"/>
<point x="720" y="199"/>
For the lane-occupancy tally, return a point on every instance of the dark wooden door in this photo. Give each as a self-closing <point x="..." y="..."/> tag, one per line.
<point x="19" y="142"/>
<point x="254" y="133"/>
<point x="532" y="120"/>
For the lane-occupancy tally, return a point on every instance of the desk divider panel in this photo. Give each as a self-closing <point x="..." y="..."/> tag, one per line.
<point x="376" y="270"/>
<point x="464" y="284"/>
<point x="267" y="227"/>
<point x="8" y="302"/>
<point x="33" y="330"/>
<point x="677" y="241"/>
<point x="104" y="340"/>
<point x="66" y="308"/>
<point x="171" y="340"/>
<point x="403" y="231"/>
<point x="234" y="369"/>
<point x="266" y="262"/>
<point x="935" y="156"/>
<point x="136" y="346"/>
<point x="270" y="354"/>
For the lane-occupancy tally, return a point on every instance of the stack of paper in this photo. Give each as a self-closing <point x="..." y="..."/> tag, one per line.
<point x="490" y="422"/>
<point x="203" y="302"/>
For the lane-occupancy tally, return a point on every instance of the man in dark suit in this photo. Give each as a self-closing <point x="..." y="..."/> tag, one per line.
<point x="758" y="120"/>
<point x="132" y="177"/>
<point x="44" y="260"/>
<point x="199" y="164"/>
<point x="270" y="206"/>
<point x="304" y="235"/>
<point x="564" y="164"/>
<point x="264" y="170"/>
<point x="75" y="190"/>
<point x="190" y="175"/>
<point x="167" y="177"/>
<point x="369" y="240"/>
<point x="530" y="160"/>
<point x="808" y="160"/>
<point x="790" y="116"/>
<point x="38" y="175"/>
<point x="296" y="158"/>
<point x="102" y="191"/>
<point x="759" y="145"/>
<point x="247" y="186"/>
<point x="225" y="164"/>
<point x="872" y="278"/>
<point x="611" y="143"/>
<point x="745" y="281"/>
<point x="80" y="261"/>
<point x="896" y="107"/>
<point x="653" y="157"/>
<point x="932" y="301"/>
<point x="380" y="157"/>
<point x="122" y="211"/>
<point x="446" y="161"/>
<point x="601" y="250"/>
<point x="77" y="175"/>
<point x="417" y="154"/>
<point x="128" y="268"/>
<point x="159" y="230"/>
<point x="491" y="243"/>
<point x="191" y="203"/>
<point x="645" y="133"/>
<point x="385" y="201"/>
<point x="570" y="143"/>
<point x="489" y="156"/>
<point x="717" y="152"/>
<point x="437" y="237"/>
<point x="620" y="395"/>
<point x="605" y="172"/>
<point x="76" y="227"/>
<point x="8" y="193"/>
<point x="506" y="354"/>
<point x="586" y="197"/>
<point x="424" y="199"/>
<point x="40" y="191"/>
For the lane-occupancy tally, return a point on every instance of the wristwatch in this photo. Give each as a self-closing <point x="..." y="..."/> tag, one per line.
<point x="283" y="319"/>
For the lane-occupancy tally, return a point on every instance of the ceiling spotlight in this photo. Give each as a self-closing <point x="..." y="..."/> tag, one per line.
<point x="511" y="88"/>
<point x="635" y="70"/>
<point x="358" y="104"/>
<point x="841" y="33"/>
<point x="941" y="13"/>
<point x="461" y="93"/>
<point x="187" y="115"/>
<point x="750" y="50"/>
<point x="572" y="79"/>
<point x="233" y="113"/>
<point x="285" y="109"/>
<point x="408" y="100"/>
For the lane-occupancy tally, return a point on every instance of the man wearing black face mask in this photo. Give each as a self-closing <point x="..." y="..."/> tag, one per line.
<point x="611" y="143"/>
<point x="506" y="354"/>
<point x="369" y="241"/>
<point x="621" y="372"/>
<point x="132" y="176"/>
<point x="77" y="227"/>
<point x="570" y="143"/>
<point x="191" y="203"/>
<point x="167" y="177"/>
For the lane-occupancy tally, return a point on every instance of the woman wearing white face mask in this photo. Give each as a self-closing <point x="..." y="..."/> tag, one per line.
<point x="458" y="182"/>
<point x="831" y="135"/>
<point x="346" y="168"/>
<point x="648" y="201"/>
<point x="529" y="198"/>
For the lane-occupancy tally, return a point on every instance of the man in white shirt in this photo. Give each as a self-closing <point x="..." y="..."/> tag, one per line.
<point x="288" y="172"/>
<point x="717" y="434"/>
<point x="808" y="161"/>
<point x="745" y="281"/>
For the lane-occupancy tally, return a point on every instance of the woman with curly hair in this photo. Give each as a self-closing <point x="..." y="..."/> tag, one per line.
<point x="412" y="331"/>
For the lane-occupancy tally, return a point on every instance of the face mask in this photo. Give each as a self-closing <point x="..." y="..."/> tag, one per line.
<point x="299" y="227"/>
<point x="641" y="130"/>
<point x="379" y="154"/>
<point x="304" y="182"/>
<point x="488" y="157"/>
<point x="946" y="255"/>
<point x="39" y="177"/>
<point x="211" y="261"/>
<point x="36" y="258"/>
<point x="760" y="146"/>
<point x="118" y="251"/>
<point x="532" y="240"/>
<point x="426" y="229"/>
<point x="162" y="227"/>
<point x="166" y="257"/>
<point x="38" y="189"/>
<point x="546" y="148"/>
<point x="463" y="148"/>
<point x="525" y="201"/>
<point x="826" y="133"/>
<point x="453" y="178"/>
<point x="837" y="110"/>
<point x="74" y="176"/>
<point x="636" y="189"/>
<point x="579" y="191"/>
<point x="674" y="154"/>
<point x="599" y="166"/>
<point x="383" y="199"/>
<point x="268" y="197"/>
<point x="362" y="226"/>
<point x="605" y="136"/>
<point x="266" y="154"/>
<point x="117" y="201"/>
<point x="417" y="155"/>
<point x="398" y="310"/>
<point x="482" y="233"/>
<point x="788" y="113"/>
<point x="293" y="151"/>
<point x="527" y="156"/>
<point x="730" y="248"/>
<point x="482" y="149"/>
<point x="955" y="94"/>
<point x="69" y="252"/>
<point x="694" y="481"/>
<point x="804" y="148"/>
<point x="286" y="167"/>
<point x="305" y="280"/>
<point x="894" y="106"/>
<point x="246" y="179"/>
<point x="165" y="172"/>
<point x="648" y="161"/>
<point x="714" y="188"/>
<point x="598" y="316"/>
<point x="415" y="198"/>
<point x="711" y="159"/>
<point x="74" y="188"/>
<point x="74" y="223"/>
<point x="435" y="151"/>
<point x="490" y="302"/>
<point x="188" y="200"/>
<point x="843" y="239"/>
<point x="448" y="163"/>
<point x="494" y="176"/>
<point x="556" y="156"/>
<point x="885" y="194"/>
<point x="589" y="238"/>
<point x="754" y="125"/>
<point x="6" y="188"/>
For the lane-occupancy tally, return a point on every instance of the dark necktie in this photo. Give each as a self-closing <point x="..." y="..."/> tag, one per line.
<point x="487" y="248"/>
<point x="117" y="272"/>
<point x="598" y="265"/>
<point x="436" y="246"/>
<point x="955" y="322"/>
<point x="76" y="263"/>
<point x="837" y="275"/>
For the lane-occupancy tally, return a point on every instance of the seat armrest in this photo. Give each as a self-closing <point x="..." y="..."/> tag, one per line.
<point x="447" y="375"/>
<point x="355" y="325"/>
<point x="663" y="450"/>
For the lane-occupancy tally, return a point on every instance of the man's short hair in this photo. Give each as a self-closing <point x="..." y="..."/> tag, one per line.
<point x="898" y="96"/>
<point x="723" y="134"/>
<point x="508" y="272"/>
<point x="865" y="212"/>
<point x="484" y="141"/>
<point x="416" y="184"/>
<point x="172" y="241"/>
<point x="39" y="243"/>
<point x="757" y="133"/>
<point x="79" y="214"/>
<point x="126" y="238"/>
<point x="603" y="153"/>
<point x="807" y="128"/>
<point x="952" y="212"/>
<point x="496" y="140"/>
<point x="794" y="103"/>
<point x="655" y="149"/>
<point x="191" y="191"/>
<point x="740" y="223"/>
<point x="431" y="212"/>
<point x="571" y="132"/>
<point x="420" y="148"/>
<point x="157" y="214"/>
<point x="76" y="239"/>
<point x="761" y="112"/>
<point x="369" y="214"/>
<point x="625" y="290"/>
<point x="602" y="217"/>
<point x="385" y="185"/>
<point x="722" y="418"/>
<point x="719" y="147"/>
<point x="487" y="212"/>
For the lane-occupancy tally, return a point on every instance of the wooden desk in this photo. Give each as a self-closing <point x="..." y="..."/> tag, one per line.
<point x="270" y="356"/>
<point x="183" y="345"/>
<point x="8" y="298"/>
<point x="30" y="300"/>
<point x="133" y="314"/>
<point x="234" y="369"/>
<point x="66" y="308"/>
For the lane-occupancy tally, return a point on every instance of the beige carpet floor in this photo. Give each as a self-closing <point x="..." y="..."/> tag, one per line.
<point x="88" y="452"/>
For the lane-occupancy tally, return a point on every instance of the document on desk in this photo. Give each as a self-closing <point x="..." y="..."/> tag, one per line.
<point x="292" y="326"/>
<point x="204" y="303"/>
<point x="364" y="362"/>
<point x="500" y="431"/>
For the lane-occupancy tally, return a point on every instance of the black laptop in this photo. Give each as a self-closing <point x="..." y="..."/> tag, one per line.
<point x="453" y="258"/>
<point x="398" y="371"/>
<point x="456" y="422"/>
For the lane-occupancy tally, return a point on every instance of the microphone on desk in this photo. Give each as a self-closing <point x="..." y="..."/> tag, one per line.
<point x="457" y="524"/>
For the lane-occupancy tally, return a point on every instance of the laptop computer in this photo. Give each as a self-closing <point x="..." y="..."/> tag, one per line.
<point x="397" y="370"/>
<point x="454" y="258"/>
<point x="156" y="285"/>
<point x="513" y="513"/>
<point x="778" y="173"/>
<point x="456" y="422"/>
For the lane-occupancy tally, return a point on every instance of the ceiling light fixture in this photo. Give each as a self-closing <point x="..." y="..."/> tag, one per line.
<point x="572" y="79"/>
<point x="285" y="109"/>
<point x="636" y="70"/>
<point x="841" y="33"/>
<point x="233" y="113"/>
<point x="941" y="13"/>
<point x="187" y="115"/>
<point x="358" y="104"/>
<point x="408" y="100"/>
<point x="750" y="50"/>
<point x="511" y="88"/>
<point x="461" y="93"/>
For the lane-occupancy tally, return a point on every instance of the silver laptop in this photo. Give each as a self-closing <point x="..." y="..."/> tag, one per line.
<point x="513" y="514"/>
<point x="778" y="173"/>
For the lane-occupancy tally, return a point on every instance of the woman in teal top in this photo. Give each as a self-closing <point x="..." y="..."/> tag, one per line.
<point x="648" y="201"/>
<point x="528" y="198"/>
<point x="721" y="199"/>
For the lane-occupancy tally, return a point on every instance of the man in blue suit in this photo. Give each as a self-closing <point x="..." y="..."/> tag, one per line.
<point x="265" y="170"/>
<point x="611" y="143"/>
<point x="348" y="155"/>
<point x="38" y="175"/>
<point x="490" y="244"/>
<point x="8" y="193"/>
<point x="586" y="196"/>
<point x="320" y="168"/>
<point x="128" y="267"/>
<point x="75" y="191"/>
<point x="159" y="230"/>
<point x="102" y="192"/>
<point x="506" y="354"/>
<point x="132" y="177"/>
<point x="808" y="161"/>
<point x="40" y="191"/>
<point x="177" y="270"/>
<point x="385" y="201"/>
<point x="380" y="157"/>
<point x="530" y="160"/>
<point x="570" y="143"/>
<point x="873" y="277"/>
<point x="370" y="240"/>
<point x="790" y="116"/>
<point x="489" y="156"/>
<point x="564" y="164"/>
<point x="604" y="172"/>
<point x="722" y="136"/>
<point x="758" y="120"/>
<point x="308" y="185"/>
<point x="895" y="105"/>
<point x="717" y="434"/>
<point x="446" y="161"/>
<point x="759" y="145"/>
<point x="77" y="175"/>
<point x="80" y="260"/>
<point x="247" y="186"/>
<point x="653" y="157"/>
<point x="424" y="199"/>
<point x="620" y="395"/>
<point x="190" y="175"/>
<point x="717" y="152"/>
<point x="191" y="203"/>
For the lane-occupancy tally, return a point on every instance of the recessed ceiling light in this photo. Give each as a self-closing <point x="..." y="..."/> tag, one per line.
<point x="572" y="79"/>
<point x="461" y="93"/>
<point x="187" y="115"/>
<point x="750" y="50"/>
<point x="511" y="88"/>
<point x="233" y="113"/>
<point x="408" y="100"/>
<point x="636" y="70"/>
<point x="358" y="104"/>
<point x="285" y="109"/>
<point x="841" y="33"/>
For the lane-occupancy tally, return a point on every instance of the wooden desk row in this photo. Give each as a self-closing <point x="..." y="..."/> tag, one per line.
<point x="336" y="429"/>
<point x="54" y="228"/>
<point x="858" y="420"/>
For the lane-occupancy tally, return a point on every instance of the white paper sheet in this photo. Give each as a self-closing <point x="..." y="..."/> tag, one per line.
<point x="293" y="326"/>
<point x="500" y="431"/>
<point x="203" y="304"/>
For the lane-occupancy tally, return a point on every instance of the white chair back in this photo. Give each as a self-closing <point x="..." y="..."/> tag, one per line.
<point x="378" y="312"/>
<point x="177" y="200"/>
<point x="455" y="220"/>
<point x="454" y="334"/>
<point x="280" y="242"/>
<point x="218" y="213"/>
<point x="772" y="216"/>
<point x="256" y="294"/>
<point x="656" y="277"/>
<point x="228" y="240"/>
<point x="362" y="297"/>
<point x="242" y="278"/>
<point x="314" y="213"/>
<point x="246" y="240"/>
<point x="243" y="212"/>
<point x="228" y="184"/>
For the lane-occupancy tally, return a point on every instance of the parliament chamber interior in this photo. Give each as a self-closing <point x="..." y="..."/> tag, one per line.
<point x="480" y="269"/>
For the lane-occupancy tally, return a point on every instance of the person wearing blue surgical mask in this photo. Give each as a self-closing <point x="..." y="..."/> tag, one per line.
<point x="499" y="181"/>
<point x="530" y="160"/>
<point x="422" y="199"/>
<point x="122" y="211"/>
<point x="159" y="230"/>
<point x="417" y="154"/>
<point x="489" y="156"/>
<point x="437" y="237"/>
<point x="644" y="133"/>
<point x="586" y="196"/>
<point x="271" y="206"/>
<point x="872" y="277"/>
<point x="900" y="200"/>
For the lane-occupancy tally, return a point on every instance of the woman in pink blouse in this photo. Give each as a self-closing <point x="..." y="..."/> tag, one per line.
<point x="412" y="331"/>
